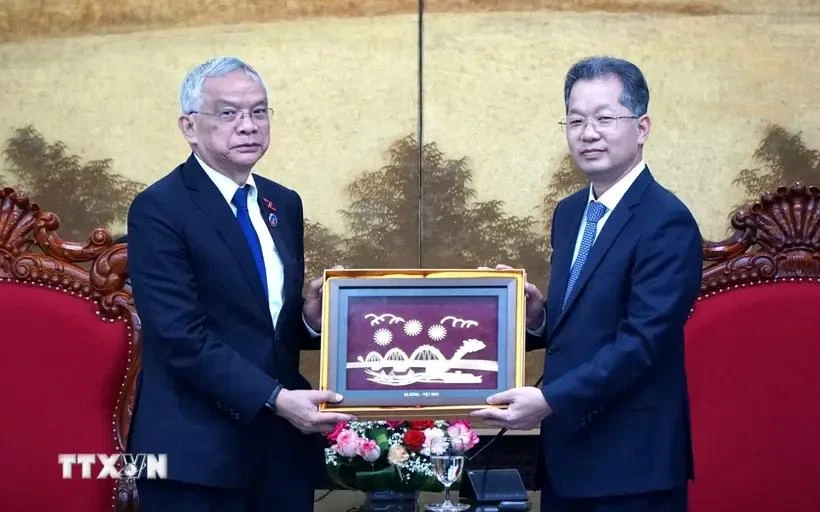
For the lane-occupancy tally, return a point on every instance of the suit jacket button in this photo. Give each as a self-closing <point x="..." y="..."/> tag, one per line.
<point x="553" y="349"/>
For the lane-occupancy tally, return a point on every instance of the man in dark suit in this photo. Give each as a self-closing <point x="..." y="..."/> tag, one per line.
<point x="216" y="258"/>
<point x="626" y="269"/>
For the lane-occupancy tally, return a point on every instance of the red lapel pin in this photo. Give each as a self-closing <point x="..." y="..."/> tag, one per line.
<point x="272" y="219"/>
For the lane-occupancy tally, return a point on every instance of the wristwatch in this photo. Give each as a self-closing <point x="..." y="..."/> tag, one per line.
<point x="271" y="401"/>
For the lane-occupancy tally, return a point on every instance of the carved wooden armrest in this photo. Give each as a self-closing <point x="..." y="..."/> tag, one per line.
<point x="126" y="499"/>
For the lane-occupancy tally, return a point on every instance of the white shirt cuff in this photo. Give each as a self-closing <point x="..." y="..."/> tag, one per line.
<point x="313" y="333"/>
<point x="538" y="331"/>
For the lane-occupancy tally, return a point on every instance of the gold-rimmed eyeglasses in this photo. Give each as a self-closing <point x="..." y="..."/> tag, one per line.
<point x="577" y="124"/>
<point x="230" y="115"/>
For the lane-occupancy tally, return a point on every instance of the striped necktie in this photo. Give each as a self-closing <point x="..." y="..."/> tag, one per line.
<point x="595" y="211"/>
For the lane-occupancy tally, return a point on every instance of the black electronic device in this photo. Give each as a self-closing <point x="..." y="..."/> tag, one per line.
<point x="493" y="486"/>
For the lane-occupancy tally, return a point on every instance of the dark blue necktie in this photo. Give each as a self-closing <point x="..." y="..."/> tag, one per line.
<point x="240" y="200"/>
<point x="595" y="211"/>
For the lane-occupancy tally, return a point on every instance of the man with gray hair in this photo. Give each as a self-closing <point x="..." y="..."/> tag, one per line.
<point x="626" y="269"/>
<point x="216" y="259"/>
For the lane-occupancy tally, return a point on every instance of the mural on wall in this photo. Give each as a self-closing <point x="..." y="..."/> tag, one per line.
<point x="783" y="159"/>
<point x="734" y="110"/>
<point x="459" y="230"/>
<point x="23" y="18"/>
<point x="720" y="73"/>
<point x="85" y="195"/>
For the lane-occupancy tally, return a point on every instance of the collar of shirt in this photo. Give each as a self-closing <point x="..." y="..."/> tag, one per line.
<point x="226" y="186"/>
<point x="616" y="192"/>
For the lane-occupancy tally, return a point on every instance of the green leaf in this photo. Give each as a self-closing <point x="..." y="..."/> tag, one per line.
<point x="382" y="438"/>
<point x="384" y="479"/>
<point x="341" y="475"/>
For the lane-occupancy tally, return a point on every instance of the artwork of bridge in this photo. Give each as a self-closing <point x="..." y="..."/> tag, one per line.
<point x="427" y="357"/>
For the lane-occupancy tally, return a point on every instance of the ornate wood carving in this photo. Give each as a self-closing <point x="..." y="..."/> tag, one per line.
<point x="32" y="252"/>
<point x="775" y="238"/>
<point x="126" y="498"/>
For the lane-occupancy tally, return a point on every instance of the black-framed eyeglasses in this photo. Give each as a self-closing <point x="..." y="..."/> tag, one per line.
<point x="599" y="123"/>
<point x="230" y="115"/>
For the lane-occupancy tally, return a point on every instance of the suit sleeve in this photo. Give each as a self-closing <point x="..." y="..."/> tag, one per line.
<point x="307" y="340"/>
<point x="665" y="282"/>
<point x="538" y="338"/>
<point x="165" y="293"/>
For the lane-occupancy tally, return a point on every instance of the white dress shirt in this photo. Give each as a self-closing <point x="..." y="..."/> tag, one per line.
<point x="273" y="263"/>
<point x="610" y="199"/>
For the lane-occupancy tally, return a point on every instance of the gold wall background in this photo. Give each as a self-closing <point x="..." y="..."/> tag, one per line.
<point x="90" y="99"/>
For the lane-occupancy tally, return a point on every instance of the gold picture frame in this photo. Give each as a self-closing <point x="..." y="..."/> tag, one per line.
<point x="431" y="343"/>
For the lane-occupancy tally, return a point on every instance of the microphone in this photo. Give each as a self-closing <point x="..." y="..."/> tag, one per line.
<point x="500" y="432"/>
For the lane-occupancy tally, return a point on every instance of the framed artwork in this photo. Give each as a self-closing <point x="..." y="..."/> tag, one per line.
<point x="421" y="343"/>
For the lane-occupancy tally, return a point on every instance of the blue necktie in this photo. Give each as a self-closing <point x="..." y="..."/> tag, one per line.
<point x="240" y="200"/>
<point x="595" y="211"/>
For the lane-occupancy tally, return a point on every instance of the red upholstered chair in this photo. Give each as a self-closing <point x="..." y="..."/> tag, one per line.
<point x="70" y="349"/>
<point x="753" y="361"/>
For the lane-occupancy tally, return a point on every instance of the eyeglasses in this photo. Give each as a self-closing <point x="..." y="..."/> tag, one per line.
<point x="230" y="115"/>
<point x="577" y="124"/>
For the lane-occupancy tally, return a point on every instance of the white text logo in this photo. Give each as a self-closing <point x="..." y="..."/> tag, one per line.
<point x="120" y="465"/>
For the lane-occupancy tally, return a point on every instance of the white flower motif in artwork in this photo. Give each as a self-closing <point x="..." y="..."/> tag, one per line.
<point x="412" y="327"/>
<point x="382" y="337"/>
<point x="437" y="332"/>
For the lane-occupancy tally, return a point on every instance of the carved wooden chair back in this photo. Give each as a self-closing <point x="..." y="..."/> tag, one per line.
<point x="752" y="350"/>
<point x="71" y="346"/>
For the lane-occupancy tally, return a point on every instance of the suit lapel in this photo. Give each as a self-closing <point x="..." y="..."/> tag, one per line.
<point x="277" y="231"/>
<point x="207" y="198"/>
<point x="562" y="253"/>
<point x="603" y="243"/>
<point x="616" y="222"/>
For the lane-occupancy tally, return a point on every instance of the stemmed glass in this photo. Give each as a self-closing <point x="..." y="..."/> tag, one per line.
<point x="448" y="469"/>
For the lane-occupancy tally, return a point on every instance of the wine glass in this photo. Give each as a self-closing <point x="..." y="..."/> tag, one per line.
<point x="448" y="469"/>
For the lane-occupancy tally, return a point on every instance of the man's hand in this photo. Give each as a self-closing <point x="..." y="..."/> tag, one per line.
<point x="301" y="409"/>
<point x="527" y="407"/>
<point x="535" y="302"/>
<point x="535" y="306"/>
<point x="312" y="308"/>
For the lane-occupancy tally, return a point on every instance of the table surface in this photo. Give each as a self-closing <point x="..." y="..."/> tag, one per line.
<point x="342" y="501"/>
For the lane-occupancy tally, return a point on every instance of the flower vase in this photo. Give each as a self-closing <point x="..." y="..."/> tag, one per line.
<point x="391" y="501"/>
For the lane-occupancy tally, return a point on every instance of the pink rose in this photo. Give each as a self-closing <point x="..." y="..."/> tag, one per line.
<point x="369" y="450"/>
<point x="394" y="424"/>
<point x="347" y="443"/>
<point x="465" y="423"/>
<point x="331" y="436"/>
<point x="462" y="438"/>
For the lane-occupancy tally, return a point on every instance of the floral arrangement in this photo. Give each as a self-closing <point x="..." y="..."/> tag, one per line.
<point x="393" y="455"/>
